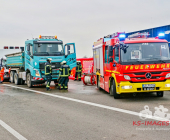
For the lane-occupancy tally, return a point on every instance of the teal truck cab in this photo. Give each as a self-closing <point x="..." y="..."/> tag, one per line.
<point x="29" y="65"/>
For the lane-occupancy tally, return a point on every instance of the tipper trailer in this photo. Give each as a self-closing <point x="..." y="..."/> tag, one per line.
<point x="29" y="65"/>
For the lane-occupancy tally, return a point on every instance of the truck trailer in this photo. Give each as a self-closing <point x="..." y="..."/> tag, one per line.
<point x="29" y="65"/>
<point x="133" y="64"/>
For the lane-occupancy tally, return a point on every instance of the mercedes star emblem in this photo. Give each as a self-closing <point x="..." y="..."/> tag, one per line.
<point x="148" y="75"/>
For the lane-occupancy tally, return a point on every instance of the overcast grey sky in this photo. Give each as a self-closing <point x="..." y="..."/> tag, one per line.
<point x="78" y="21"/>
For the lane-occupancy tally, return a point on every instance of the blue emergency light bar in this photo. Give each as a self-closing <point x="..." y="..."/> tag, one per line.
<point x="161" y="35"/>
<point x="122" y="37"/>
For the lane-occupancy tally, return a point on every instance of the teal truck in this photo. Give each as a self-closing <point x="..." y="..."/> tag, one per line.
<point x="29" y="65"/>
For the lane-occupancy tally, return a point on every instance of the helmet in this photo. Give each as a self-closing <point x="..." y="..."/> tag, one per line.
<point x="49" y="59"/>
<point x="64" y="62"/>
<point x="78" y="62"/>
<point x="61" y="63"/>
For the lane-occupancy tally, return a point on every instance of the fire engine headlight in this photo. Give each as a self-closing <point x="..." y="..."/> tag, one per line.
<point x="168" y="75"/>
<point x="37" y="73"/>
<point x="167" y="85"/>
<point x="127" y="77"/>
<point x="126" y="87"/>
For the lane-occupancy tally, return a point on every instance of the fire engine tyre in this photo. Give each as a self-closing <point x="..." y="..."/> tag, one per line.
<point x="98" y="83"/>
<point x="29" y="82"/>
<point x="160" y="94"/>
<point x="17" y="80"/>
<point x="112" y="90"/>
<point x="12" y="76"/>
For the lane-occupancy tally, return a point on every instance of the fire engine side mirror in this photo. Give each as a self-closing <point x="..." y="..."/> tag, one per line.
<point x="114" y="65"/>
<point x="110" y="59"/>
<point x="110" y="50"/>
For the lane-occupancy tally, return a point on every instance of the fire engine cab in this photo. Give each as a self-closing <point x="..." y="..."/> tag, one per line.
<point x="133" y="64"/>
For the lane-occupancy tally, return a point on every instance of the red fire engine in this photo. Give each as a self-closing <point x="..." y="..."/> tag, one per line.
<point x="133" y="64"/>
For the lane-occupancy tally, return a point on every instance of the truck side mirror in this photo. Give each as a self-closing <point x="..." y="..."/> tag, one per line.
<point x="110" y="50"/>
<point x="28" y="47"/>
<point x="28" y="52"/>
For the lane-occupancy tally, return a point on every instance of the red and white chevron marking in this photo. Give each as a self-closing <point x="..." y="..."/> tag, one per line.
<point x="36" y="78"/>
<point x="37" y="85"/>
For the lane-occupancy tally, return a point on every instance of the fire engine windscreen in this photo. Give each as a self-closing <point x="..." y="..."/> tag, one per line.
<point x="145" y="52"/>
<point x="48" y="49"/>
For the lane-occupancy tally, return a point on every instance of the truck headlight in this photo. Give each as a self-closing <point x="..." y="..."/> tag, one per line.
<point x="127" y="77"/>
<point x="37" y="73"/>
<point x="168" y="75"/>
<point x="126" y="87"/>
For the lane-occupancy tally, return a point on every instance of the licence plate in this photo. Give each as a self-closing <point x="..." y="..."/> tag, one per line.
<point x="148" y="86"/>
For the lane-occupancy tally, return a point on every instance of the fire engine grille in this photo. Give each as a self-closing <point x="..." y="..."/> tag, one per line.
<point x="154" y="77"/>
<point x="156" y="72"/>
<point x="143" y="73"/>
<point x="139" y="73"/>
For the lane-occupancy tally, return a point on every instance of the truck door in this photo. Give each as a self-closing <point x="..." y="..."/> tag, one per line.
<point x="106" y="68"/>
<point x="29" y="56"/>
<point x="70" y="54"/>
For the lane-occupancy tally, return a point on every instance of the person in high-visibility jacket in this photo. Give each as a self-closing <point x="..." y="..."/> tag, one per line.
<point x="48" y="73"/>
<point x="59" y="78"/>
<point x="2" y="75"/>
<point x="64" y="74"/>
<point x="78" y="71"/>
<point x="9" y="73"/>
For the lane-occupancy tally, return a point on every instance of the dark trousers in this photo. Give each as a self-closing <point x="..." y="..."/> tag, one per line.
<point x="59" y="82"/>
<point x="48" y="78"/>
<point x="64" y="82"/>
<point x="78" y="76"/>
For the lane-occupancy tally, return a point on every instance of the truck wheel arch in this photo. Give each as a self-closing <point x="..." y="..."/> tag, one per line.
<point x="28" y="71"/>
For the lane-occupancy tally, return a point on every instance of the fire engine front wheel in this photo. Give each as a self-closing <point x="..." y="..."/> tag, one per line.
<point x="160" y="94"/>
<point x="29" y="82"/>
<point x="112" y="90"/>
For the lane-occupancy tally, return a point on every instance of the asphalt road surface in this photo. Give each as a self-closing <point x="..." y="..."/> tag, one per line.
<point x="81" y="113"/>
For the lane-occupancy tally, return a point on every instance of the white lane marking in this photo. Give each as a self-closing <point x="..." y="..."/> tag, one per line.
<point x="92" y="104"/>
<point x="12" y="131"/>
